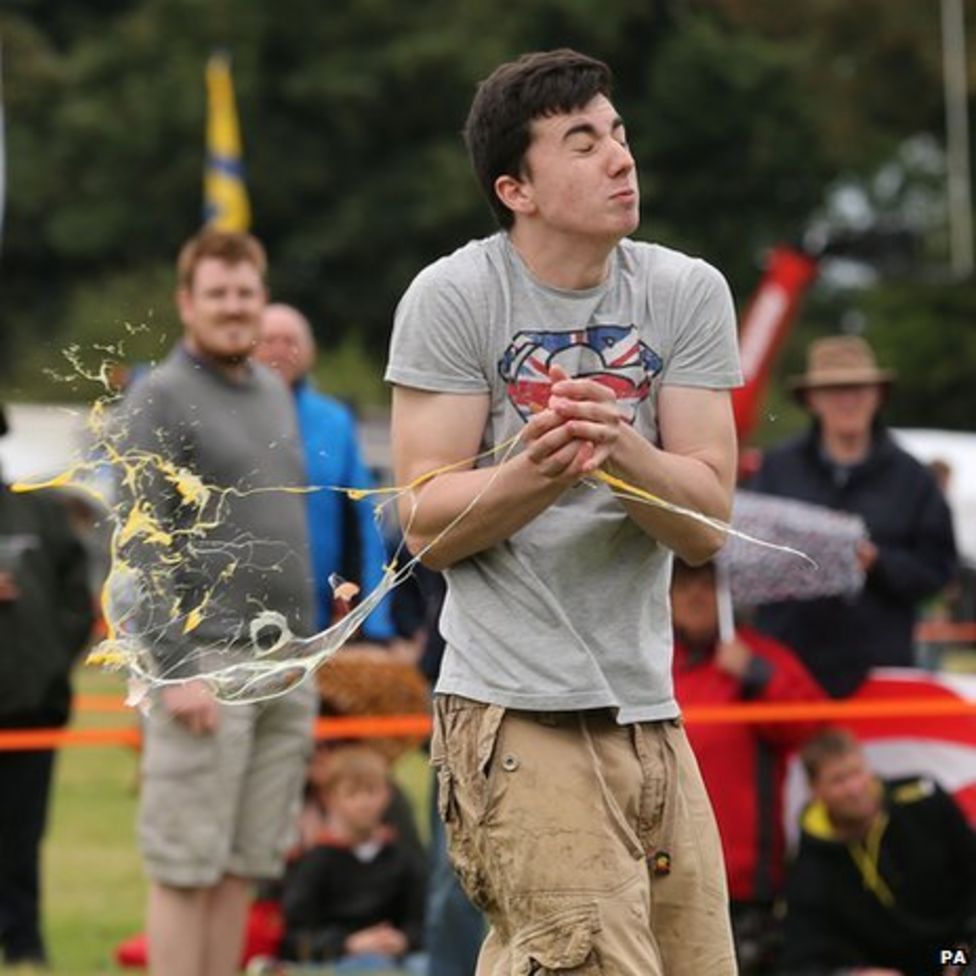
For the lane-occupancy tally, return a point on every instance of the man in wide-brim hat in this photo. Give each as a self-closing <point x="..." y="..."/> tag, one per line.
<point x="847" y="460"/>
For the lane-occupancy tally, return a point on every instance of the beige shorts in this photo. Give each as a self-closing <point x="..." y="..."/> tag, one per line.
<point x="225" y="803"/>
<point x="590" y="846"/>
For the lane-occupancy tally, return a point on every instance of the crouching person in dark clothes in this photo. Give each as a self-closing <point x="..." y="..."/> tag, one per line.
<point x="885" y="878"/>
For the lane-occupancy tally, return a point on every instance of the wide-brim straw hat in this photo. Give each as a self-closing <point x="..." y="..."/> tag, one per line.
<point x="840" y="361"/>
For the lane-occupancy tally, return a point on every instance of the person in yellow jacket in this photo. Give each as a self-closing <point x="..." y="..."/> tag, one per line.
<point x="884" y="881"/>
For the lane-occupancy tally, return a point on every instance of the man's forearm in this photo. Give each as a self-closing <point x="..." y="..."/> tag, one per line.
<point x="509" y="496"/>
<point x="681" y="480"/>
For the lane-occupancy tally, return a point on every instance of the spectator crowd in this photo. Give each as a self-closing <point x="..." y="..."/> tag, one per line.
<point x="555" y="631"/>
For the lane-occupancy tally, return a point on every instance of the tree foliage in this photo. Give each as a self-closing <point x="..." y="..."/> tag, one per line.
<point x="740" y="112"/>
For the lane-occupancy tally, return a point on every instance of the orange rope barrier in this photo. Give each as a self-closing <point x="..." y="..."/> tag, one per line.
<point x="945" y="631"/>
<point x="369" y="727"/>
<point x="373" y="727"/>
<point x="406" y="726"/>
<point x="27" y="739"/>
<point x="830" y="710"/>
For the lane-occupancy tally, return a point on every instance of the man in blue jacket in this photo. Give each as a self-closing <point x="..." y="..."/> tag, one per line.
<point x="344" y="536"/>
<point x="848" y="461"/>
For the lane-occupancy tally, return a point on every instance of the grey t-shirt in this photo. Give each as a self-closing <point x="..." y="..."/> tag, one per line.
<point x="571" y="611"/>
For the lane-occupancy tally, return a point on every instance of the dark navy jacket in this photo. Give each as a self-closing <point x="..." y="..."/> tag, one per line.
<point x="841" y="639"/>
<point x="920" y="900"/>
<point x="329" y="893"/>
<point x="46" y="627"/>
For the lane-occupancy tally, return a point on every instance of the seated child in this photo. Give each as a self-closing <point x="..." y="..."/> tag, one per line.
<point x="357" y="891"/>
<point x="398" y="815"/>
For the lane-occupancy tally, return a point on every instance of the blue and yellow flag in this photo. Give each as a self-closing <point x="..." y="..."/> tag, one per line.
<point x="225" y="202"/>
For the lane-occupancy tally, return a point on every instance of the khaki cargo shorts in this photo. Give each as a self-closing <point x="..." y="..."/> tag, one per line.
<point x="225" y="803"/>
<point x="590" y="846"/>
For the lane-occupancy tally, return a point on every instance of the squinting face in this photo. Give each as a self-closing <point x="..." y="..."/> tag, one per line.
<point x="848" y="788"/>
<point x="845" y="411"/>
<point x="284" y="344"/>
<point x="221" y="310"/>
<point x="580" y="178"/>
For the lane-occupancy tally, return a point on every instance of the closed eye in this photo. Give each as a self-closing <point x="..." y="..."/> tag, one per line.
<point x="581" y="144"/>
<point x="619" y="132"/>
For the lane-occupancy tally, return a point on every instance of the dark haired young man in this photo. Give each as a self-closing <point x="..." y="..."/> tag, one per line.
<point x="575" y="812"/>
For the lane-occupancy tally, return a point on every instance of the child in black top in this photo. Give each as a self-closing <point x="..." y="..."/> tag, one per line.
<point x="357" y="891"/>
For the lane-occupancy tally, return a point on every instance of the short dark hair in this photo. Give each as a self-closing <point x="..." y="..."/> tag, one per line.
<point x="231" y="247"/>
<point x="826" y="745"/>
<point x="497" y="131"/>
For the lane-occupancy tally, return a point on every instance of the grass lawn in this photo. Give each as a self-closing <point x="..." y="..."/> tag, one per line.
<point x="94" y="889"/>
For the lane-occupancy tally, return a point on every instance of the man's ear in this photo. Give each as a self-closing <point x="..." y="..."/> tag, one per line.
<point x="184" y="303"/>
<point x="515" y="194"/>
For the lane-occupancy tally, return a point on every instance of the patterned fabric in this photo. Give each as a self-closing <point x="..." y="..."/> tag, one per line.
<point x="758" y="574"/>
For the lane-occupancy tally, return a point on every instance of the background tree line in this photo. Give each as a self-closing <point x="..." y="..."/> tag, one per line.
<point x="752" y="122"/>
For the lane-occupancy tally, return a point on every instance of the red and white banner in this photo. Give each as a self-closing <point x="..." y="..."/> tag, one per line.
<point x="765" y="325"/>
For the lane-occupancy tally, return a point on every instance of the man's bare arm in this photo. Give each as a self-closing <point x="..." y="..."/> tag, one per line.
<point x="433" y="430"/>
<point x="694" y="467"/>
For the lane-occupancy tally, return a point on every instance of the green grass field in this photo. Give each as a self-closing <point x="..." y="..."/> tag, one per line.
<point x="94" y="889"/>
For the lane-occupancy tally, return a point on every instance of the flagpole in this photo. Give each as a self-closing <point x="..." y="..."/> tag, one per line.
<point x="3" y="153"/>
<point x="723" y="597"/>
<point x="957" y="137"/>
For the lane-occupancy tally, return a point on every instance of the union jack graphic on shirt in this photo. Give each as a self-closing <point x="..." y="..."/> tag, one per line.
<point x="610" y="354"/>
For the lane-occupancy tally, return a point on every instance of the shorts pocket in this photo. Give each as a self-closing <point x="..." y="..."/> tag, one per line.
<point x="562" y="942"/>
<point x="172" y="752"/>
<point x="470" y="736"/>
<point x="178" y="825"/>
<point x="461" y="846"/>
<point x="278" y="830"/>
<point x="445" y="793"/>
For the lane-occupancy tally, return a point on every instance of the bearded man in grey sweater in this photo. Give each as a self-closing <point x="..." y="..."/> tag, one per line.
<point x="220" y="782"/>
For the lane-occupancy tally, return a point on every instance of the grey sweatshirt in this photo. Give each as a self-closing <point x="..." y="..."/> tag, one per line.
<point x="228" y="547"/>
